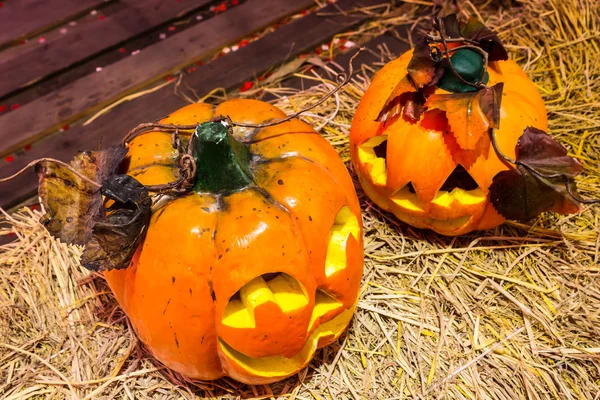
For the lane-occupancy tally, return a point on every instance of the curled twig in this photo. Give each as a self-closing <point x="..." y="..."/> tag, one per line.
<point x="187" y="164"/>
<point x="187" y="171"/>
<point x="484" y="54"/>
<point x="64" y="164"/>
<point x="576" y="197"/>
<point x="153" y="126"/>
<point x="342" y="80"/>
<point x="438" y="39"/>
<point x="492" y="133"/>
<point x="167" y="187"/>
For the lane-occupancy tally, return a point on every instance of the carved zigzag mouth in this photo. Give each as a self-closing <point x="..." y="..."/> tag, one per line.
<point x="453" y="204"/>
<point x="278" y="366"/>
<point x="374" y="152"/>
<point x="408" y="208"/>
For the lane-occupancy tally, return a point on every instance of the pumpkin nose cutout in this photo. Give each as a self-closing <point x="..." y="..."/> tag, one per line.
<point x="459" y="178"/>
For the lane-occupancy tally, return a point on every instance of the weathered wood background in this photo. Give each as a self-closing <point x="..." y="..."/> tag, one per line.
<point x="61" y="61"/>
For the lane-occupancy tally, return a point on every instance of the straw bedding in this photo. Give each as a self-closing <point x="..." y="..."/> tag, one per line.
<point x="506" y="314"/>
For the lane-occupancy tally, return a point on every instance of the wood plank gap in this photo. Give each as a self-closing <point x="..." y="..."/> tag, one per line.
<point x="373" y="55"/>
<point x="82" y="42"/>
<point x="93" y="92"/>
<point x="227" y="72"/>
<point x="23" y="19"/>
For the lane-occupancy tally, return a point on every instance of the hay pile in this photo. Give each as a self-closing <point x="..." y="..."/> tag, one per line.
<point x="504" y="314"/>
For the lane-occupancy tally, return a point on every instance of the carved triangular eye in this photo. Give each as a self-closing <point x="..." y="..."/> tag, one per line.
<point x="381" y="150"/>
<point x="459" y="178"/>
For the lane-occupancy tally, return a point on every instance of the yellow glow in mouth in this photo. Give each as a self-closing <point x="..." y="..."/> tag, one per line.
<point x="461" y="196"/>
<point x="409" y="201"/>
<point x="279" y="366"/>
<point x="283" y="290"/>
<point x="324" y="304"/>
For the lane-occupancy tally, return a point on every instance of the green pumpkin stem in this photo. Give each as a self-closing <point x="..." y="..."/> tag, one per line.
<point x="222" y="162"/>
<point x="468" y="64"/>
<point x="475" y="86"/>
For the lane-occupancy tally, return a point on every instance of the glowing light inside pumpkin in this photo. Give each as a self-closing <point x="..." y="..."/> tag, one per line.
<point x="464" y="197"/>
<point x="324" y="304"/>
<point x="328" y="318"/>
<point x="458" y="191"/>
<point x="367" y="155"/>
<point x="282" y="290"/>
<point x="408" y="200"/>
<point x="345" y="224"/>
<point x="462" y="189"/>
<point x="280" y="366"/>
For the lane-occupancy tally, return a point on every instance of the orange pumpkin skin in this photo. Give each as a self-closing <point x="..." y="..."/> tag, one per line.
<point x="426" y="153"/>
<point x="245" y="284"/>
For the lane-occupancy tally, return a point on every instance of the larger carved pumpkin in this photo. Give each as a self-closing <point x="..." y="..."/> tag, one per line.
<point x="436" y="172"/>
<point x="260" y="264"/>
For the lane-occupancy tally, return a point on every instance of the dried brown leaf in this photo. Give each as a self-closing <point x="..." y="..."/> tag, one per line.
<point x="70" y="200"/>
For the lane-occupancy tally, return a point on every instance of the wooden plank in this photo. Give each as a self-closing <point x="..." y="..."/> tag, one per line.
<point x="391" y="41"/>
<point x="20" y="19"/>
<point x="226" y="72"/>
<point x="130" y="74"/>
<point x="86" y="40"/>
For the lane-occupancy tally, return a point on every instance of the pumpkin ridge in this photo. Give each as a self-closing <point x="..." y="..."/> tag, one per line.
<point x="304" y="158"/>
<point x="255" y="141"/>
<point x="209" y="281"/>
<point x="267" y="196"/>
<point x="145" y="166"/>
<point x="282" y="158"/>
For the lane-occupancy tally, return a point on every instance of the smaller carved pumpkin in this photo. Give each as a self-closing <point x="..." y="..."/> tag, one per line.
<point x="433" y="167"/>
<point x="260" y="263"/>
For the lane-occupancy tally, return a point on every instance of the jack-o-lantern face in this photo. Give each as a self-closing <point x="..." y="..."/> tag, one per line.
<point x="249" y="281"/>
<point x="436" y="172"/>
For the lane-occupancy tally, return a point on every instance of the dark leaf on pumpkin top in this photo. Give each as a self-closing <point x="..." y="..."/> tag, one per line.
<point x="409" y="104"/>
<point x="414" y="107"/>
<point x="422" y="68"/>
<point x="490" y="101"/>
<point x="521" y="194"/>
<point x="116" y="236"/>
<point x="488" y="40"/>
<point x="70" y="201"/>
<point x="451" y="26"/>
<point x="471" y="114"/>
<point x="396" y="100"/>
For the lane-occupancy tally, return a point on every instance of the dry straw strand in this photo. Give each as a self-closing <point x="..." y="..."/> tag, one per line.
<point x="512" y="313"/>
